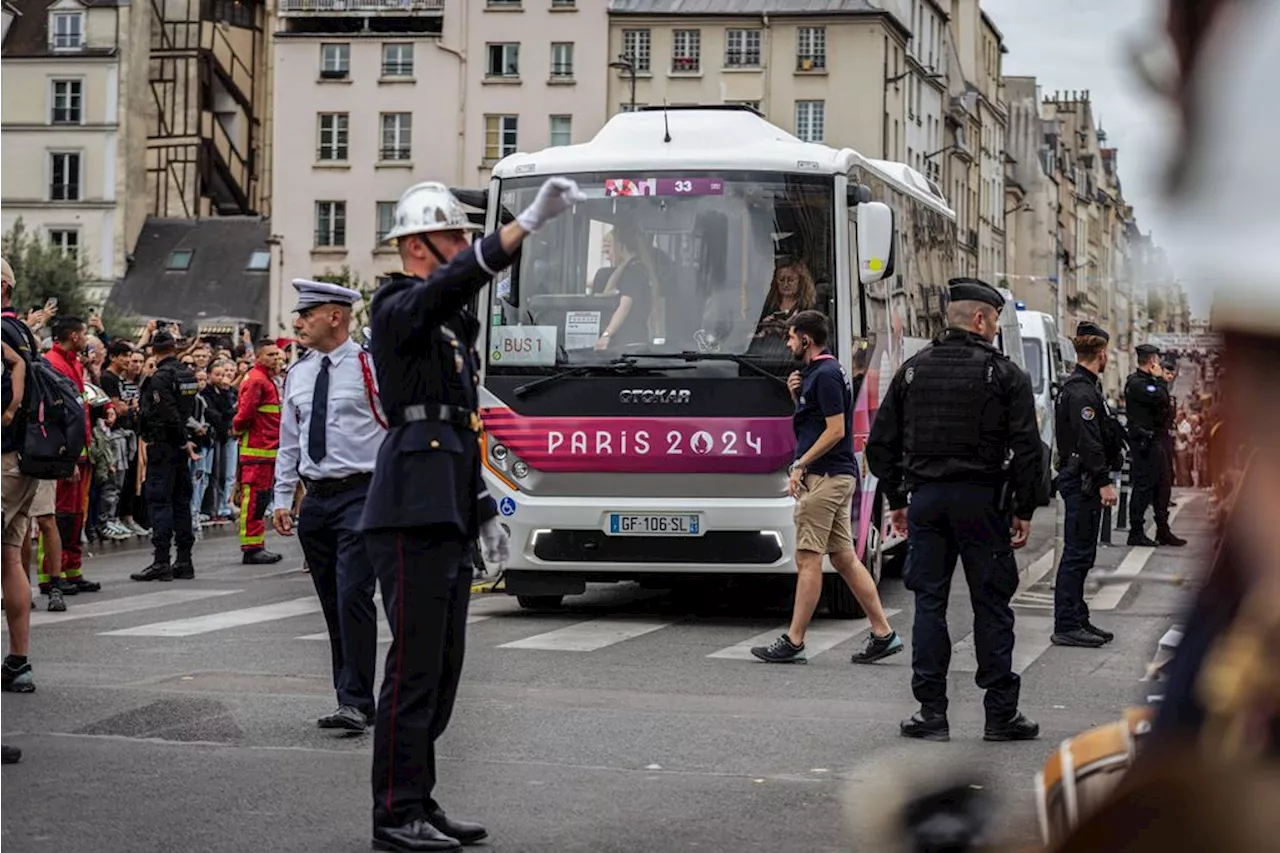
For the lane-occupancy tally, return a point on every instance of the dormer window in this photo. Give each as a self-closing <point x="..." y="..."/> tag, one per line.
<point x="66" y="30"/>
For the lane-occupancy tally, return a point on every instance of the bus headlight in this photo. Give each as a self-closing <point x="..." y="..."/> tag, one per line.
<point x="520" y="469"/>
<point x="499" y="453"/>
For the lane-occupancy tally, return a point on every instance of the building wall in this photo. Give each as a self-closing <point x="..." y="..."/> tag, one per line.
<point x="1033" y="269"/>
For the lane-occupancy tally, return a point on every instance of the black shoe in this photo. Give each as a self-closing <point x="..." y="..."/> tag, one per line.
<point x="84" y="584"/>
<point x="464" y="831"/>
<point x="781" y="650"/>
<point x="154" y="572"/>
<point x="184" y="571"/>
<point x="1018" y="728"/>
<point x="260" y="557"/>
<point x="57" y="604"/>
<point x="924" y="726"/>
<point x="1105" y="636"/>
<point x="878" y="648"/>
<point x="67" y="587"/>
<point x="1079" y="637"/>
<point x="1166" y="537"/>
<point x="1141" y="541"/>
<point x="413" y="836"/>
<point x="347" y="717"/>
<point x="10" y="755"/>
<point x="17" y="679"/>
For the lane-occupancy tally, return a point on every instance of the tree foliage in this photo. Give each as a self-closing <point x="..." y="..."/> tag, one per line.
<point x="42" y="272"/>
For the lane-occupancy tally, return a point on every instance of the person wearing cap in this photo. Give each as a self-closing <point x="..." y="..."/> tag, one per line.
<point x="428" y="504"/>
<point x="956" y="432"/>
<point x="166" y="402"/>
<point x="1088" y="453"/>
<point x="1149" y="409"/>
<point x="257" y="423"/>
<point x="330" y="432"/>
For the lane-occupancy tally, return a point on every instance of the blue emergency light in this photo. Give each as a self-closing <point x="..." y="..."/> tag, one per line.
<point x="1021" y="306"/>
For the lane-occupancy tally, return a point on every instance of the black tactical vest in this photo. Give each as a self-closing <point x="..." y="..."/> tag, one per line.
<point x="953" y="407"/>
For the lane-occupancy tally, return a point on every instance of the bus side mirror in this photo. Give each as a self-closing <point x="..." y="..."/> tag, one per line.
<point x="875" y="241"/>
<point x="1054" y="388"/>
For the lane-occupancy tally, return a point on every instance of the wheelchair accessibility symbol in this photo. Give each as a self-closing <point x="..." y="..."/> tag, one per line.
<point x="507" y="507"/>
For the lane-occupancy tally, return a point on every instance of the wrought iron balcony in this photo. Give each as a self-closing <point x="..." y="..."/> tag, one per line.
<point x="359" y="7"/>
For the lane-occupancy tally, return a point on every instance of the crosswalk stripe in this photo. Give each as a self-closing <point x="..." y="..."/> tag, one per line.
<point x="1032" y="640"/>
<point x="822" y="636"/>
<point x="591" y="635"/>
<point x="222" y="620"/>
<point x="128" y="604"/>
<point x="1110" y="596"/>
<point x="384" y="630"/>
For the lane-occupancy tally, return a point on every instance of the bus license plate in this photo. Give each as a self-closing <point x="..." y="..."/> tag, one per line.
<point x="646" y="524"/>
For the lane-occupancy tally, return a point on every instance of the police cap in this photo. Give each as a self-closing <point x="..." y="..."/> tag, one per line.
<point x="975" y="290"/>
<point x="313" y="293"/>
<point x="163" y="339"/>
<point x="1086" y="329"/>
<point x="1145" y="351"/>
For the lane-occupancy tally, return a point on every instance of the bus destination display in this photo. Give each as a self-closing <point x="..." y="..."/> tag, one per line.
<point x="663" y="186"/>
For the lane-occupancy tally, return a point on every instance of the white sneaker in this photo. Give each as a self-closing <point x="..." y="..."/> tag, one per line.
<point x="138" y="529"/>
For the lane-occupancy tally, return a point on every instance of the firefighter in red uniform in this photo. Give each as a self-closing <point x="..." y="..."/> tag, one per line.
<point x="257" y="423"/>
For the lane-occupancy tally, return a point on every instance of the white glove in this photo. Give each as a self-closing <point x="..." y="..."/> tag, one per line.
<point x="494" y="544"/>
<point x="555" y="197"/>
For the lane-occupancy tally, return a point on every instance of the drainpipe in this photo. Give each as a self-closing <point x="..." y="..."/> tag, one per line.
<point x="461" y="54"/>
<point x="767" y="55"/>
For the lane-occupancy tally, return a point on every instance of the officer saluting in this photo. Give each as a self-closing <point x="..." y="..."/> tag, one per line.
<point x="1089" y="451"/>
<point x="166" y="402"/>
<point x="428" y="503"/>
<point x="951" y="417"/>
<point x="1149" y="409"/>
<point x="330" y="432"/>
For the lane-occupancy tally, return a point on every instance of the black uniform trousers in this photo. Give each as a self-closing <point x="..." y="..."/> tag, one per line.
<point x="1082" y="520"/>
<point x="168" y="493"/>
<point x="426" y="587"/>
<point x="329" y="530"/>
<point x="1152" y="487"/>
<point x="946" y="521"/>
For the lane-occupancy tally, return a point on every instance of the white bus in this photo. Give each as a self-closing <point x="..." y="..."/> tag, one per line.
<point x="662" y="449"/>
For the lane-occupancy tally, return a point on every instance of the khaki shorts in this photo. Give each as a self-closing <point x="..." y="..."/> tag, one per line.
<point x="46" y="500"/>
<point x="18" y="494"/>
<point x="823" y="514"/>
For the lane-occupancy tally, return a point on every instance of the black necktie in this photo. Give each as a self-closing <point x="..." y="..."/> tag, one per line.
<point x="319" y="413"/>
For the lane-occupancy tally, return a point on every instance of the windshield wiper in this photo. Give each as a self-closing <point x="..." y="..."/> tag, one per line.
<point x="619" y="366"/>
<point x="740" y="360"/>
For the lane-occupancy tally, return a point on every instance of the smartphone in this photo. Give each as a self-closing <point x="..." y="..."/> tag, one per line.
<point x="51" y="303"/>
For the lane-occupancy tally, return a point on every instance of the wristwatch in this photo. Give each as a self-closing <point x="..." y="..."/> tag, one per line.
<point x="795" y="466"/>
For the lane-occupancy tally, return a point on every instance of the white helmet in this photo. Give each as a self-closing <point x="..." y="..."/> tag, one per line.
<point x="428" y="207"/>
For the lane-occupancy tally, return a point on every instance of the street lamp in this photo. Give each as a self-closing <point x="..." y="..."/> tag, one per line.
<point x="625" y="63"/>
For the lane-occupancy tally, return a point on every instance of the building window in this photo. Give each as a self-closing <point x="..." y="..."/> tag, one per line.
<point x="386" y="220"/>
<point x="333" y="136"/>
<point x="64" y="177"/>
<point x="180" y="260"/>
<point x="504" y="3"/>
<point x="67" y="31"/>
<point x="561" y="59"/>
<point x="811" y="120"/>
<point x="742" y="49"/>
<point x="259" y="261"/>
<point x="562" y="130"/>
<point x="397" y="60"/>
<point x="66" y="240"/>
<point x="686" y="48"/>
<point x="811" y="48"/>
<point x="66" y="102"/>
<point x="500" y="134"/>
<point x="635" y="46"/>
<point x="335" y="61"/>
<point x="563" y="4"/>
<point x="331" y="223"/>
<point x="397" y="136"/>
<point x="504" y="60"/>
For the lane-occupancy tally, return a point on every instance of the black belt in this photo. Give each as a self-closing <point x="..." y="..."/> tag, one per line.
<point x="335" y="485"/>
<point x="438" y="413"/>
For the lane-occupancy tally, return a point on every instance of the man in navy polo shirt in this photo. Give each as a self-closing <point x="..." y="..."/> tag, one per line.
<point x="823" y="482"/>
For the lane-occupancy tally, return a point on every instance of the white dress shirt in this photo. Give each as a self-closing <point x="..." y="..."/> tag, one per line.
<point x="352" y="433"/>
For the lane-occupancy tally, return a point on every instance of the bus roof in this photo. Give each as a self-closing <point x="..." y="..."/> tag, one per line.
<point x="709" y="138"/>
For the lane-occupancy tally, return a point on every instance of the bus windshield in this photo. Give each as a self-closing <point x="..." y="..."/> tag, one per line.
<point x="665" y="262"/>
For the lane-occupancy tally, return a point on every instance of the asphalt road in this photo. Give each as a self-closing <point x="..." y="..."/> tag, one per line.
<point x="181" y="716"/>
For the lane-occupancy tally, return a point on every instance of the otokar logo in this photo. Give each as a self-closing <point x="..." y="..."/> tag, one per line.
<point x="649" y="396"/>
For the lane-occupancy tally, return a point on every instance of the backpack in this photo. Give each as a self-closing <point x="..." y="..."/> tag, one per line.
<point x="53" y="436"/>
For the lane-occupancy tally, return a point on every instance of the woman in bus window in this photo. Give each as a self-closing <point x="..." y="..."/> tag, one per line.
<point x="791" y="291"/>
<point x="633" y="280"/>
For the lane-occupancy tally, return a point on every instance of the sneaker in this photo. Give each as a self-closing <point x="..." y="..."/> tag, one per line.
<point x="59" y="583"/>
<point x="1079" y="638"/>
<point x="183" y="570"/>
<point x="82" y="584"/>
<point x="1105" y="636"/>
<point x="17" y="679"/>
<point x="57" y="604"/>
<point x="260" y="557"/>
<point x="923" y="725"/>
<point x="878" y="648"/>
<point x="116" y="530"/>
<point x="1016" y="728"/>
<point x="138" y="529"/>
<point x="154" y="572"/>
<point x="781" y="650"/>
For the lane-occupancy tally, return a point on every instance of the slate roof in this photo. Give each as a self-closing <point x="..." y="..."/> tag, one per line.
<point x="28" y="34"/>
<point x="741" y="7"/>
<point x="215" y="285"/>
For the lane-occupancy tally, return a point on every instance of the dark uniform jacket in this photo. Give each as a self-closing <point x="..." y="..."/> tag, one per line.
<point x="423" y="348"/>
<point x="167" y="399"/>
<point x="1080" y="413"/>
<point x="1149" y="409"/>
<point x="998" y="414"/>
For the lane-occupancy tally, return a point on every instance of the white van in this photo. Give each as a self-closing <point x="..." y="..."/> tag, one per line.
<point x="1047" y="357"/>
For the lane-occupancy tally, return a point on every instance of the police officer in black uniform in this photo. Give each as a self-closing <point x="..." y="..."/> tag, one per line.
<point x="1149" y="408"/>
<point x="1089" y="450"/>
<point x="427" y="503"/>
<point x="166" y="404"/>
<point x="957" y="433"/>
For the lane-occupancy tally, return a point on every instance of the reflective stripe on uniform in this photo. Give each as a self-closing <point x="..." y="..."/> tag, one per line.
<point x="270" y="408"/>
<point x="246" y="503"/>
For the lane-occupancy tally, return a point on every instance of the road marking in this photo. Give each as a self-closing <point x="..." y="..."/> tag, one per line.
<point x="822" y="636"/>
<point x="478" y="611"/>
<point x="1110" y="596"/>
<point x="1032" y="639"/>
<point x="125" y="605"/>
<point x="590" y="636"/>
<point x="221" y="621"/>
<point x="1037" y="570"/>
